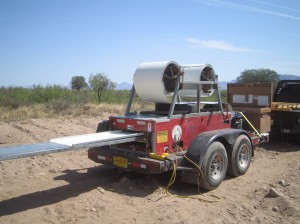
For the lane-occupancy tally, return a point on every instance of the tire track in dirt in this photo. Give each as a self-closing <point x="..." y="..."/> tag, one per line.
<point x="12" y="134"/>
<point x="26" y="131"/>
<point x="52" y="128"/>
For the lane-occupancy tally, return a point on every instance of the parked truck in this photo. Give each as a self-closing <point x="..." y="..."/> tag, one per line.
<point x="285" y="113"/>
<point x="200" y="140"/>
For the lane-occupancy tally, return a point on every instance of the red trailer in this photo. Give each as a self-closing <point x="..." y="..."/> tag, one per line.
<point x="199" y="139"/>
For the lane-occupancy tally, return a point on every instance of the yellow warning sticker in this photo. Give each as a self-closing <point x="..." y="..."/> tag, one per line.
<point x="162" y="136"/>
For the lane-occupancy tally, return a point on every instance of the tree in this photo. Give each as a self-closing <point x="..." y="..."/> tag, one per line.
<point x="258" y="76"/>
<point x="78" y="82"/>
<point x="100" y="83"/>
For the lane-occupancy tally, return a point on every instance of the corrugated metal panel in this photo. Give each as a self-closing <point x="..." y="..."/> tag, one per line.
<point x="69" y="143"/>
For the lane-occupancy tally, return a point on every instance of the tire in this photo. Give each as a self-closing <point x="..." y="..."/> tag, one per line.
<point x="214" y="166"/>
<point x="239" y="157"/>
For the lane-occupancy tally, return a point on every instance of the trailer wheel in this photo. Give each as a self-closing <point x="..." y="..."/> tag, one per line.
<point x="239" y="157"/>
<point x="214" y="166"/>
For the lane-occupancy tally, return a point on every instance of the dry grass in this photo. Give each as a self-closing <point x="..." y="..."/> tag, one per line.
<point x="23" y="112"/>
<point x="62" y="110"/>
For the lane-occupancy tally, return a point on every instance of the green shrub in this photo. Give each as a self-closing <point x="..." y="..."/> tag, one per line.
<point x="58" y="98"/>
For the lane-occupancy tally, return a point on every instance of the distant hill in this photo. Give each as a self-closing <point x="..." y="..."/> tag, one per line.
<point x="124" y="86"/>
<point x="289" y="77"/>
<point x="223" y="84"/>
<point x="128" y="86"/>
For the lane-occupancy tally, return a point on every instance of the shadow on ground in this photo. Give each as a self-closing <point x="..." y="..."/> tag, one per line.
<point x="105" y="177"/>
<point x="283" y="143"/>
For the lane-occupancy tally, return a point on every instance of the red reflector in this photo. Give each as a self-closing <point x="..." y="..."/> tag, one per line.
<point x="138" y="165"/>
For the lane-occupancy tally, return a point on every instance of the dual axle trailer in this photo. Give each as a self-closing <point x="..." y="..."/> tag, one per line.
<point x="201" y="140"/>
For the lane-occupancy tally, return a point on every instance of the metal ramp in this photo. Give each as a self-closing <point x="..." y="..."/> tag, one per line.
<point x="69" y="143"/>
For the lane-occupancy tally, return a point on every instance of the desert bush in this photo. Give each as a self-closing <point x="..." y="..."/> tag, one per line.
<point x="56" y="106"/>
<point x="14" y="97"/>
<point x="46" y="94"/>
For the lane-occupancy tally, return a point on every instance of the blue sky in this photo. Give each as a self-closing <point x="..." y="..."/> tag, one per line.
<point x="49" y="41"/>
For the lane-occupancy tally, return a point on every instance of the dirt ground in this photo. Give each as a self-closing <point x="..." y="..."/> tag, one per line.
<point x="69" y="188"/>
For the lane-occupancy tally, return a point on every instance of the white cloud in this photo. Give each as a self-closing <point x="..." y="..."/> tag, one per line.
<point x="228" y="4"/>
<point x="275" y="5"/>
<point x="214" y="44"/>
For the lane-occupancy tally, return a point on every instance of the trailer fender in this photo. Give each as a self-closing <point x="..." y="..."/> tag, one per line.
<point x="103" y="126"/>
<point x="199" y="145"/>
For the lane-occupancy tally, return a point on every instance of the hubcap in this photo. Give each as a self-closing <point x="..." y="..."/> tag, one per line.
<point x="243" y="156"/>
<point x="216" y="166"/>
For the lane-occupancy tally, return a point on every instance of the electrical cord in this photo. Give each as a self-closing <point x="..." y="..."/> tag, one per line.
<point x="173" y="177"/>
<point x="250" y="124"/>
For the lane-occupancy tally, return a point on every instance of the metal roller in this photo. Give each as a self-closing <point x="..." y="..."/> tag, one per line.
<point x="193" y="74"/>
<point x="155" y="81"/>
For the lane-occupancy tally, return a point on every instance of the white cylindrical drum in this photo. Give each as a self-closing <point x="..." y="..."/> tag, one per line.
<point x="155" y="81"/>
<point x="198" y="72"/>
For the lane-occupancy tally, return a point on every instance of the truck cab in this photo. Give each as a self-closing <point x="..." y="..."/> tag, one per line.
<point x="285" y="112"/>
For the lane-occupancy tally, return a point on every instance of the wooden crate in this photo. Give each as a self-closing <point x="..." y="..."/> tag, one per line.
<point x="254" y="100"/>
